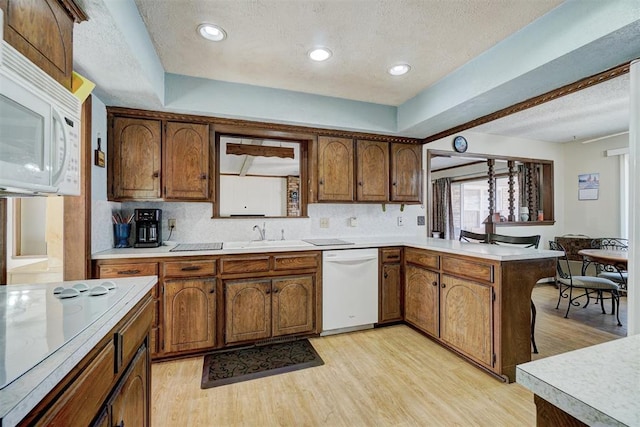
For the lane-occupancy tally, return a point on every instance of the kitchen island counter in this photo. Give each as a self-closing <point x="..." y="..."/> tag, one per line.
<point x="598" y="385"/>
<point x="53" y="329"/>
<point x="485" y="251"/>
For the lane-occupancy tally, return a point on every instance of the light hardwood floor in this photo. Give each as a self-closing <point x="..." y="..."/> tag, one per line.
<point x="390" y="376"/>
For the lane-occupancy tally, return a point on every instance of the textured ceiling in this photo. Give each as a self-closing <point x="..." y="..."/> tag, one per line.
<point x="268" y="41"/>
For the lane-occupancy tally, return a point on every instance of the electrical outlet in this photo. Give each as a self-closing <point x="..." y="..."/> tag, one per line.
<point x="353" y="221"/>
<point x="400" y="221"/>
<point x="172" y="223"/>
<point x="324" y="222"/>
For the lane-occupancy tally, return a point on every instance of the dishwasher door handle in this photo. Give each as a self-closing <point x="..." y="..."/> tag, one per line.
<point x="349" y="260"/>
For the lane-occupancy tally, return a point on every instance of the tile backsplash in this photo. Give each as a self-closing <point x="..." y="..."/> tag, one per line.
<point x="195" y="225"/>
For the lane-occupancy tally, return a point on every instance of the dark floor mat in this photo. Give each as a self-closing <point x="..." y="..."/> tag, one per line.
<point x="229" y="367"/>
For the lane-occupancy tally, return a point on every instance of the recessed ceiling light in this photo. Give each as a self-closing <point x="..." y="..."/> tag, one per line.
<point x="212" y="32"/>
<point x="320" y="54"/>
<point x="400" y="69"/>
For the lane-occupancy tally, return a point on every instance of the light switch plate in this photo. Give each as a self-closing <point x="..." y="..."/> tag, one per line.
<point x="420" y="219"/>
<point x="324" y="222"/>
<point x="400" y="221"/>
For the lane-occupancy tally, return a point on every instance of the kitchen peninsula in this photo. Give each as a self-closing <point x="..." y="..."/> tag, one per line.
<point x="471" y="298"/>
<point x="71" y="358"/>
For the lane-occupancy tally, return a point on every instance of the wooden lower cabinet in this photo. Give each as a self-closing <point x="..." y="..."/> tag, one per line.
<point x="129" y="403"/>
<point x="189" y="314"/>
<point x="421" y="299"/>
<point x="258" y="309"/>
<point x="466" y="317"/>
<point x="390" y="293"/>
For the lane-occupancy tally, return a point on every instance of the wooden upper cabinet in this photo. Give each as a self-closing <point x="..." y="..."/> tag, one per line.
<point x="186" y="161"/>
<point x="372" y="170"/>
<point x="335" y="169"/>
<point x="42" y="30"/>
<point x="135" y="159"/>
<point x="406" y="172"/>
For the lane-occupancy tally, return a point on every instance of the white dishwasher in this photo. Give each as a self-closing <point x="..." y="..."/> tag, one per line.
<point x="349" y="290"/>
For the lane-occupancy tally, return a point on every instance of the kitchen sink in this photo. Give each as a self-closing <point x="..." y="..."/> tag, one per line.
<point x="265" y="244"/>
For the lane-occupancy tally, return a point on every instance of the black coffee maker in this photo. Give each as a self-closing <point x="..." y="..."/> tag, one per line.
<point x="148" y="228"/>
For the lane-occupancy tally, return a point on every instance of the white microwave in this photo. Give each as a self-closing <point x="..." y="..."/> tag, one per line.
<point x="39" y="130"/>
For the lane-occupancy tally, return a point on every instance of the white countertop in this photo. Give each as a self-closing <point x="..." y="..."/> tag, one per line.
<point x="493" y="252"/>
<point x="599" y="385"/>
<point x="60" y="333"/>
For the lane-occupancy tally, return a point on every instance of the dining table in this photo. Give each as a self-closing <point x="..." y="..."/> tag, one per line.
<point x="616" y="258"/>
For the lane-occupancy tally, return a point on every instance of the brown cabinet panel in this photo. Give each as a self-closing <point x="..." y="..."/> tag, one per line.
<point x="135" y="158"/>
<point x="390" y="255"/>
<point x="241" y="264"/>
<point x="82" y="401"/>
<point x="390" y="293"/>
<point x="295" y="262"/>
<point x="335" y="169"/>
<point x="466" y="323"/>
<point x="422" y="258"/>
<point x="186" y="161"/>
<point x="190" y="268"/>
<point x="130" y="405"/>
<point x="247" y="310"/>
<point x="110" y="271"/>
<point x="372" y="170"/>
<point x="129" y="338"/>
<point x="189" y="314"/>
<point x="41" y="30"/>
<point x="293" y="305"/>
<point x="421" y="299"/>
<point x="472" y="269"/>
<point x="406" y="172"/>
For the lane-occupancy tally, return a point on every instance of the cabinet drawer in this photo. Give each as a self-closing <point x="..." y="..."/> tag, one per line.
<point x="190" y="268"/>
<point x="130" y="336"/>
<point x="295" y="262"/>
<point x="110" y="271"/>
<point x="244" y="264"/>
<point x="472" y="269"/>
<point x="83" y="399"/>
<point x="390" y="255"/>
<point x="423" y="258"/>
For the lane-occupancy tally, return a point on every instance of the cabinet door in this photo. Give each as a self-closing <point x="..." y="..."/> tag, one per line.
<point x="293" y="302"/>
<point x="390" y="294"/>
<point x="372" y="170"/>
<point x="189" y="314"/>
<point x="406" y="172"/>
<point x="466" y="317"/>
<point x="335" y="169"/>
<point x="42" y="30"/>
<point x="136" y="158"/>
<point x="421" y="299"/>
<point x="247" y="310"/>
<point x="186" y="161"/>
<point x="130" y="404"/>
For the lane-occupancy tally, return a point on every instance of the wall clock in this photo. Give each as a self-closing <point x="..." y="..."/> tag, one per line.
<point x="460" y="144"/>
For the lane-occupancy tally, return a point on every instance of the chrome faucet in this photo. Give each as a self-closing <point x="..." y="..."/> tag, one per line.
<point x="262" y="231"/>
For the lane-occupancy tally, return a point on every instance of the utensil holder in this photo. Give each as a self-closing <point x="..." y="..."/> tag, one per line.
<point x="121" y="234"/>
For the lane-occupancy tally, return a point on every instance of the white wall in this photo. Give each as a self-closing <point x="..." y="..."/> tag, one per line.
<point x="253" y="195"/>
<point x="595" y="218"/>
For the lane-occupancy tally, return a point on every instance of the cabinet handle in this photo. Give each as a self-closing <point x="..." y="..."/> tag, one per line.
<point x="276" y="290"/>
<point x="443" y="286"/>
<point x="395" y="184"/>
<point x="436" y="284"/>
<point x="129" y="272"/>
<point x="203" y="176"/>
<point x="393" y="256"/>
<point x="212" y="291"/>
<point x="191" y="268"/>
<point x="385" y="275"/>
<point x="268" y="291"/>
<point x="321" y="182"/>
<point x="156" y="174"/>
<point x="360" y="183"/>
<point x="120" y="424"/>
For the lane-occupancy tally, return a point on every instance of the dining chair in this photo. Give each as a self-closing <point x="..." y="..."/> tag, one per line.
<point x="471" y="237"/>
<point x="526" y="242"/>
<point x="567" y="282"/>
<point x="609" y="271"/>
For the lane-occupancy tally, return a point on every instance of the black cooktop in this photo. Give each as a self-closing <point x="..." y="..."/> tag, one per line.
<point x="327" y="242"/>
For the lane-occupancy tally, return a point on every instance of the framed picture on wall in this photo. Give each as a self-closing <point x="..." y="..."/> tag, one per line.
<point x="588" y="186"/>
